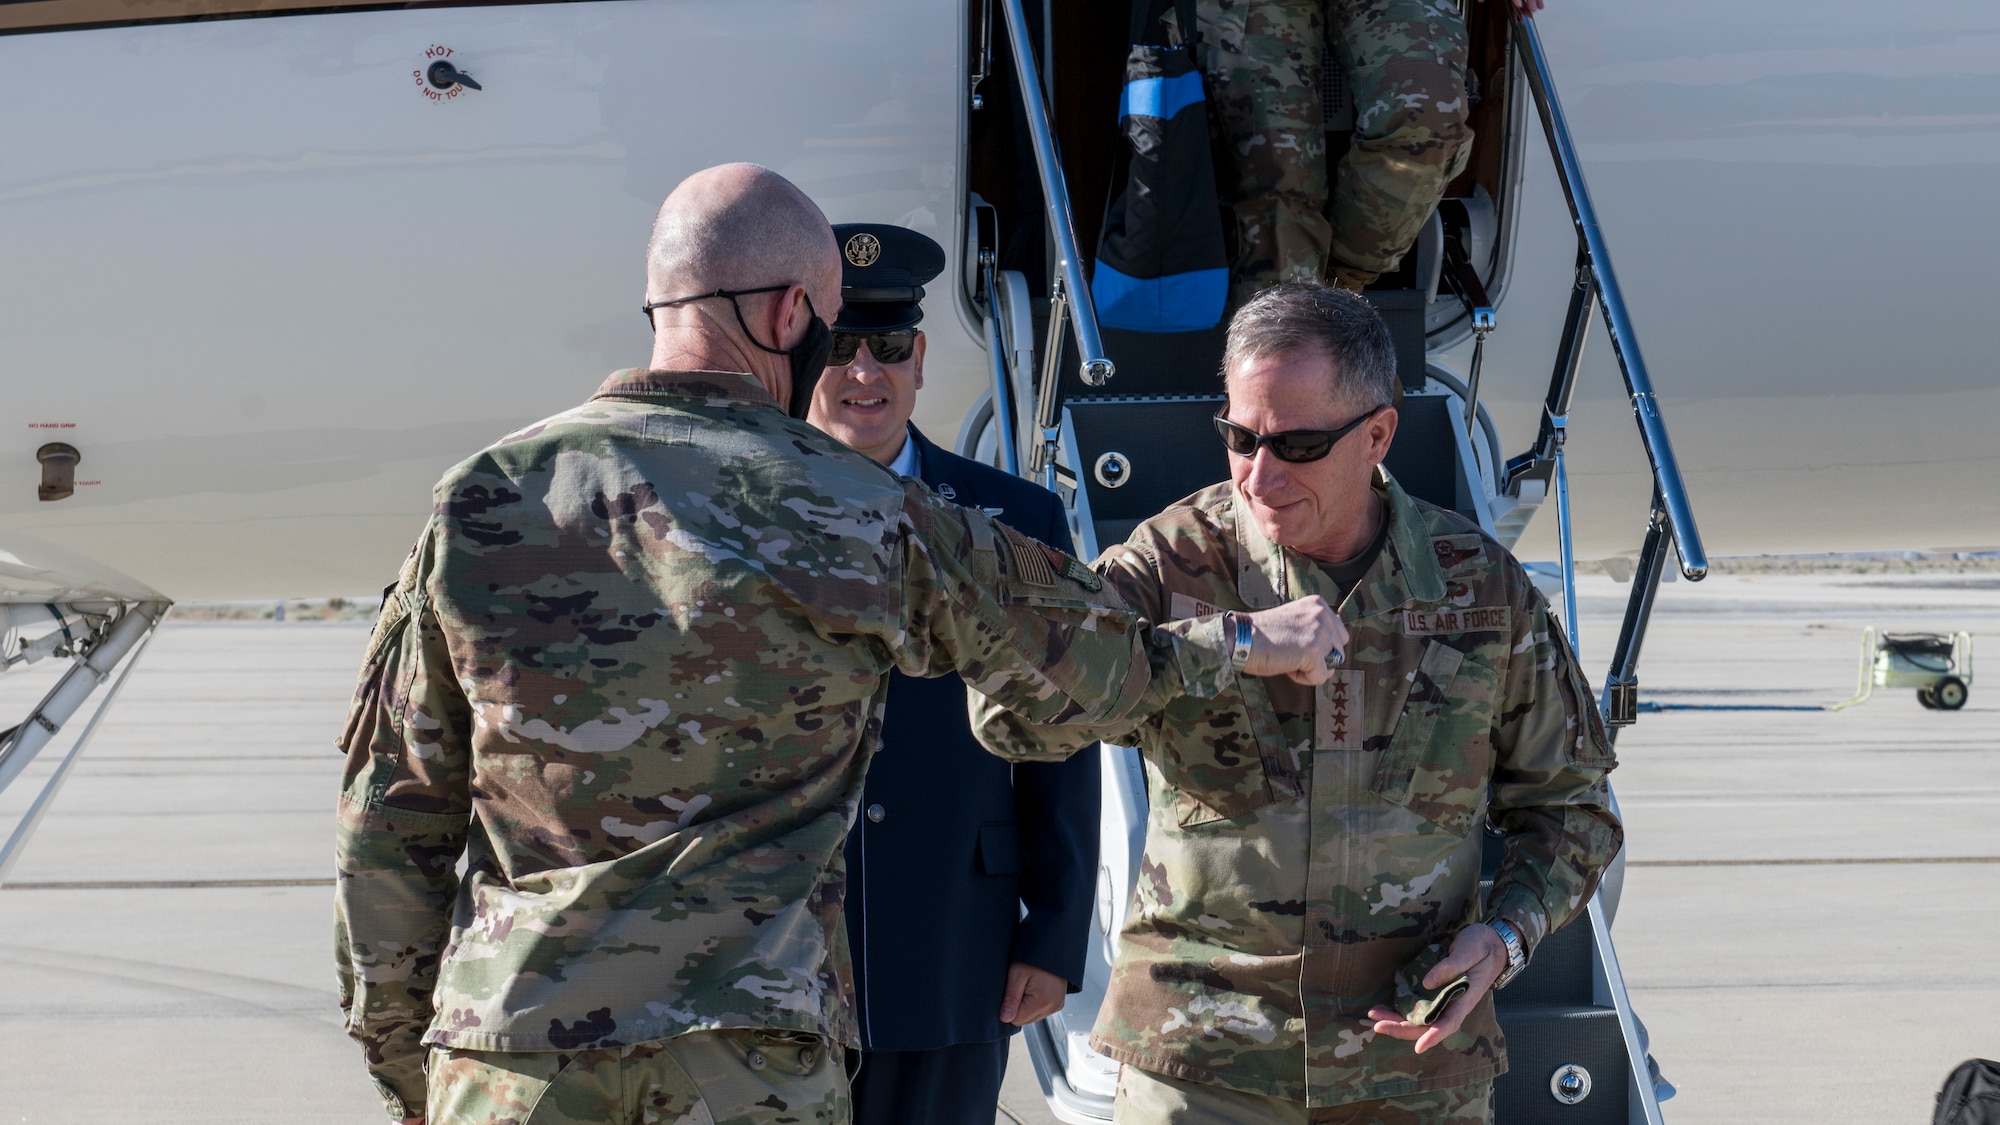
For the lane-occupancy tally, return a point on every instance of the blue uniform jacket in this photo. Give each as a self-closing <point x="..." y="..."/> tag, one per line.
<point x="953" y="842"/>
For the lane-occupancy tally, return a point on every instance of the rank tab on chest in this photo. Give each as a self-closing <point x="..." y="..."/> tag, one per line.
<point x="1337" y="718"/>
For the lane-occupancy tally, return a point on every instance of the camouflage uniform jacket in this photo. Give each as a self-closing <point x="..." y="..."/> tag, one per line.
<point x="633" y="671"/>
<point x="1303" y="844"/>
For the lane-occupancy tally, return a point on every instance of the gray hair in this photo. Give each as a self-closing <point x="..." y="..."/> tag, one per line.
<point x="1343" y="326"/>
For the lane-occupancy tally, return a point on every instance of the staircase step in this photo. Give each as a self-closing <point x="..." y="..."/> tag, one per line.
<point x="1542" y="1039"/>
<point x="1560" y="972"/>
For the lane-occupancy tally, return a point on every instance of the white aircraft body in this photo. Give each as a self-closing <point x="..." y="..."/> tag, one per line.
<point x="267" y="277"/>
<point x="270" y="289"/>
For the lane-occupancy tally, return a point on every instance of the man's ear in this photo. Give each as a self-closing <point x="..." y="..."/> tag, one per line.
<point x="920" y="359"/>
<point x="1381" y="434"/>
<point x="795" y="310"/>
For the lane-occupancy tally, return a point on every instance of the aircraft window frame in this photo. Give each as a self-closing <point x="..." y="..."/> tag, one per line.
<point x="39" y="17"/>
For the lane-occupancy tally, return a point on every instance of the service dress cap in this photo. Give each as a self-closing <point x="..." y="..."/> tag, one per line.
<point x="882" y="273"/>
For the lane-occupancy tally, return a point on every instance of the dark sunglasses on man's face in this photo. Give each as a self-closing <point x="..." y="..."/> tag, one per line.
<point x="1295" y="446"/>
<point x="886" y="347"/>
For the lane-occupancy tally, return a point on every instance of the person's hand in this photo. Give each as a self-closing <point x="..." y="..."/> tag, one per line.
<point x="1031" y="994"/>
<point x="1297" y="639"/>
<point x="1477" y="952"/>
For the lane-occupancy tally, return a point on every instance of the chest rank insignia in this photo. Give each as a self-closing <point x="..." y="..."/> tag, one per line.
<point x="1337" y="717"/>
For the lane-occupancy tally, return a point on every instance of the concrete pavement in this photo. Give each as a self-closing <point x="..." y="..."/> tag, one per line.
<point x="1781" y="982"/>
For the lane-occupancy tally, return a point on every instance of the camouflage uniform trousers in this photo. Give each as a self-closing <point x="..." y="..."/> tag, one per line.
<point x="1405" y="65"/>
<point x="728" y="1077"/>
<point x="1145" y="1098"/>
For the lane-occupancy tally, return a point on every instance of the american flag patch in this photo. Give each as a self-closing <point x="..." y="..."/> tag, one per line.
<point x="1031" y="564"/>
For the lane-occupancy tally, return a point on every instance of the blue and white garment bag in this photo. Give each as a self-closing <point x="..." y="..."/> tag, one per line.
<point x="1161" y="265"/>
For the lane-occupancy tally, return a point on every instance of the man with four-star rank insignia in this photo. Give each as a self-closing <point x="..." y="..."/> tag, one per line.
<point x="1308" y="941"/>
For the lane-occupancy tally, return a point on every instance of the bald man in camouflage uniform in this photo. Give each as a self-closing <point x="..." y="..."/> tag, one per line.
<point x="1295" y="218"/>
<point x="1305" y="845"/>
<point x="633" y="673"/>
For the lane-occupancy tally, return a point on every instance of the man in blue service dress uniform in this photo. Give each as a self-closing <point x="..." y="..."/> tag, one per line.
<point x="952" y="842"/>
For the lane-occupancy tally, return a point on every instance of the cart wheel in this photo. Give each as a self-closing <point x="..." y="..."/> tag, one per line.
<point x="1949" y="693"/>
<point x="1924" y="697"/>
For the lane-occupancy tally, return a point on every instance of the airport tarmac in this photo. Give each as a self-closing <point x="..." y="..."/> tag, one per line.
<point x="1807" y="922"/>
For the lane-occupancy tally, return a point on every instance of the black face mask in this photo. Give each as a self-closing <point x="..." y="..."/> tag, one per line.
<point x="808" y="358"/>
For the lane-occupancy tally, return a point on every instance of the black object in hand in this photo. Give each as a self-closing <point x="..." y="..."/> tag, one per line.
<point x="1420" y="1005"/>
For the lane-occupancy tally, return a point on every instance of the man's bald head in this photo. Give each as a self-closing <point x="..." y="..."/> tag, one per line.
<point x="741" y="226"/>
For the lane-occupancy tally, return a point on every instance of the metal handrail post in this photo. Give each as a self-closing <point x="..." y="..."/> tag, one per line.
<point x="1565" y="533"/>
<point x="1049" y="394"/>
<point x="1621" y="683"/>
<point x="1562" y="380"/>
<point x="1576" y="332"/>
<point x="1624" y="341"/>
<point x="1000" y="356"/>
<point x="1096" y="368"/>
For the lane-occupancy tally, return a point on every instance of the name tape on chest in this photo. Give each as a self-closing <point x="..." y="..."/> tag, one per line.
<point x="1478" y="619"/>
<point x="1181" y="607"/>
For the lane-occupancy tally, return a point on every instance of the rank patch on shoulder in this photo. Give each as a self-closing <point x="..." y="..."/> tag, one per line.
<point x="1456" y="550"/>
<point x="1337" y="719"/>
<point x="1181" y="607"/>
<point x="1074" y="569"/>
<point x="1478" y="619"/>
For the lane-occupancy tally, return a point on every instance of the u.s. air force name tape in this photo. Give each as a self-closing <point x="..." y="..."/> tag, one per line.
<point x="1480" y="619"/>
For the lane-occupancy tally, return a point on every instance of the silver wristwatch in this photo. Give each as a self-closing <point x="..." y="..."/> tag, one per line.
<point x="1239" y="651"/>
<point x="1517" y="954"/>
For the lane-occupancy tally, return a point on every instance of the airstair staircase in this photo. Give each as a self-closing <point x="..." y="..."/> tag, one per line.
<point x="1118" y="423"/>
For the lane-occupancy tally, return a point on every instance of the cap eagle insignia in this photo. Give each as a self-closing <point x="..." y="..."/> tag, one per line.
<point x="863" y="249"/>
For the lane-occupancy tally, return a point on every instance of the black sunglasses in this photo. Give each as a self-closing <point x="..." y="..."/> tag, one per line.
<point x="1295" y="446"/>
<point x="886" y="347"/>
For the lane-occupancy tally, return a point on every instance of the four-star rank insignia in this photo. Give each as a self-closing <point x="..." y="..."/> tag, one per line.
<point x="1337" y="712"/>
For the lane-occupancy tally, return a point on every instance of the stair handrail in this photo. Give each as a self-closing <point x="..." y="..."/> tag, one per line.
<point x="1070" y="294"/>
<point x="1594" y="258"/>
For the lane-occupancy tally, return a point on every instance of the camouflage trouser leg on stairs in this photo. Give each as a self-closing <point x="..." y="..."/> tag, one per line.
<point x="1405" y="63"/>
